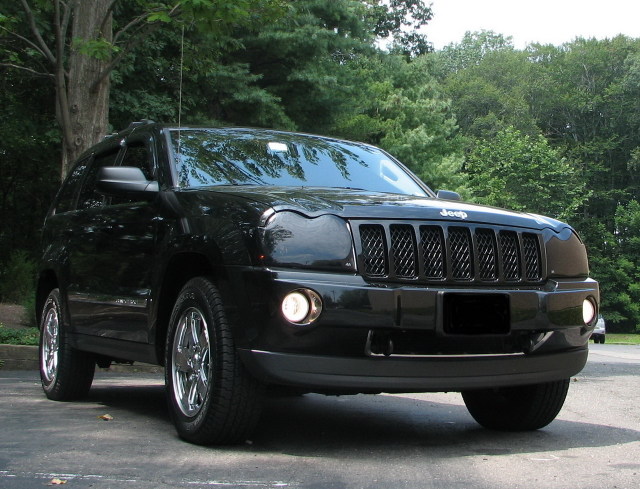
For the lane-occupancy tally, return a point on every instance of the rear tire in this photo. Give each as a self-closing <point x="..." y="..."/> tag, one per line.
<point x="212" y="398"/>
<point x="522" y="408"/>
<point x="66" y="373"/>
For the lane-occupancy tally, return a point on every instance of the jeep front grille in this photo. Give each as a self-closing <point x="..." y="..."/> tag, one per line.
<point x="420" y="252"/>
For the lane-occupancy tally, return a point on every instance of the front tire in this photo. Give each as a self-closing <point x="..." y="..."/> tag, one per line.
<point x="522" y="408"/>
<point x="66" y="373"/>
<point x="212" y="398"/>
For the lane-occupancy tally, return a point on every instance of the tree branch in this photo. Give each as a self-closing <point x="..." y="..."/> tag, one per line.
<point x="26" y="41"/>
<point x="174" y="12"/>
<point x="131" y="24"/>
<point x="66" y="16"/>
<point x="108" y="12"/>
<point x="36" y="32"/>
<point x="29" y="70"/>
<point x="141" y="33"/>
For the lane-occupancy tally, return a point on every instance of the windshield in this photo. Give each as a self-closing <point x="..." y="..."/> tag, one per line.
<point x="205" y="157"/>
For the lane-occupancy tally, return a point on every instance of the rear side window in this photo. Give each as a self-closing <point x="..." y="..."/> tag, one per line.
<point x="90" y="198"/>
<point x="136" y="155"/>
<point x="69" y="191"/>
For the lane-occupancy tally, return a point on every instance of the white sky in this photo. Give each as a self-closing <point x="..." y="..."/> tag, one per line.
<point x="544" y="21"/>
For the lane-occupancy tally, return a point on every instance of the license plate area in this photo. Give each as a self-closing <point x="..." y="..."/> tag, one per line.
<point x="476" y="314"/>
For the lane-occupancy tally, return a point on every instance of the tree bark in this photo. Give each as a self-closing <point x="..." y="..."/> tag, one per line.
<point x="83" y="99"/>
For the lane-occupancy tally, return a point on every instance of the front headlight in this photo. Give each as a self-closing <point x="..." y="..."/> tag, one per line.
<point x="566" y="254"/>
<point x="293" y="240"/>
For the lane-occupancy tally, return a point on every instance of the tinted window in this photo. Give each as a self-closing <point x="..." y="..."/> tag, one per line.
<point x="90" y="197"/>
<point x="137" y="155"/>
<point x="237" y="157"/>
<point x="69" y="191"/>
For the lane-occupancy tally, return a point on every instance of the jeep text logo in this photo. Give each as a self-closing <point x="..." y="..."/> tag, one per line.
<point x="458" y="214"/>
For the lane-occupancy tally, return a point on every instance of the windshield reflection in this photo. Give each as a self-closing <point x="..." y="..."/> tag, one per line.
<point x="206" y="157"/>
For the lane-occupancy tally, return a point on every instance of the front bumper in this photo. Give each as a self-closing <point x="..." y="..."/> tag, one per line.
<point x="418" y="374"/>
<point x="544" y="339"/>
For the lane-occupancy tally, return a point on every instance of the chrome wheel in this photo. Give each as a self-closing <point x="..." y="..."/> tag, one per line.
<point x="50" y="344"/>
<point x="191" y="362"/>
<point x="212" y="399"/>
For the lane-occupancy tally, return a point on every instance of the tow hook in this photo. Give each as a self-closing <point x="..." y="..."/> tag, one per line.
<point x="378" y="343"/>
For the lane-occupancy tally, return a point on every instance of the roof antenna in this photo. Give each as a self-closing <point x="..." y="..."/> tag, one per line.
<point x="180" y="90"/>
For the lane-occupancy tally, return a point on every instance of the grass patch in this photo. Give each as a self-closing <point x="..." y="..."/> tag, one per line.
<point x="623" y="339"/>
<point x="24" y="336"/>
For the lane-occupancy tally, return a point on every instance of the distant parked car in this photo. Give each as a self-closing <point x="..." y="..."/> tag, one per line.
<point x="599" y="331"/>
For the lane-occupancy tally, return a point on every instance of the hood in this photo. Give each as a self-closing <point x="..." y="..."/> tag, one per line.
<point x="361" y="204"/>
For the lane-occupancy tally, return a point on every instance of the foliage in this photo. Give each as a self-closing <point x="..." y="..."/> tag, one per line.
<point x="23" y="336"/>
<point x="402" y="21"/>
<point x="524" y="173"/>
<point x="617" y="267"/>
<point x="17" y="278"/>
<point x="623" y="339"/>
<point x="471" y="51"/>
<point x="77" y="45"/>
<point x="29" y="162"/>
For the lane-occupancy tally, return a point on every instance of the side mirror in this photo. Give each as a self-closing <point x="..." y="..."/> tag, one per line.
<point x="448" y="195"/>
<point x="124" y="180"/>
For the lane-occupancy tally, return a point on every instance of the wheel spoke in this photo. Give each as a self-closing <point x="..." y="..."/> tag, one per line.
<point x="181" y="360"/>
<point x="203" y="339"/>
<point x="202" y="384"/>
<point x="192" y="393"/>
<point x="195" y="325"/>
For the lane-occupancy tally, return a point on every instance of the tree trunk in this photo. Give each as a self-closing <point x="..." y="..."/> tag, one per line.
<point x="83" y="102"/>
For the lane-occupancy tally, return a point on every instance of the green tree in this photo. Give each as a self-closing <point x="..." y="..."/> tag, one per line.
<point x="29" y="152"/>
<point x="579" y="100"/>
<point x="488" y="82"/>
<point x="471" y="51"/>
<point x="524" y="173"/>
<point x="617" y="267"/>
<point x="75" y="46"/>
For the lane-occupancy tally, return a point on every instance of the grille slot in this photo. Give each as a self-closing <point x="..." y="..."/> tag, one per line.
<point x="487" y="254"/>
<point x="510" y="255"/>
<point x="427" y="253"/>
<point x="403" y="248"/>
<point x="433" y="252"/>
<point x="460" y="250"/>
<point x="532" y="258"/>
<point x="374" y="254"/>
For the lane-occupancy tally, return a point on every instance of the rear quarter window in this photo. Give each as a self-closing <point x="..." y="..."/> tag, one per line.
<point x="68" y="193"/>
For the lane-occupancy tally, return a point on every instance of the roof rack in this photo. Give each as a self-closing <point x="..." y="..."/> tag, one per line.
<point x="140" y="123"/>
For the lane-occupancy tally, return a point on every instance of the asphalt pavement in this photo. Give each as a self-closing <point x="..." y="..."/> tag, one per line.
<point x="121" y="437"/>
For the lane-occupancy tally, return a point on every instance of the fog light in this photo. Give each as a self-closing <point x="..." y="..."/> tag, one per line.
<point x="301" y="306"/>
<point x="588" y="311"/>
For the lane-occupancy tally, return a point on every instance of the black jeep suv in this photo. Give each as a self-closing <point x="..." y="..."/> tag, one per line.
<point x="245" y="258"/>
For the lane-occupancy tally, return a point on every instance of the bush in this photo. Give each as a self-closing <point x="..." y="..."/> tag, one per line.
<point x="17" y="278"/>
<point x="26" y="336"/>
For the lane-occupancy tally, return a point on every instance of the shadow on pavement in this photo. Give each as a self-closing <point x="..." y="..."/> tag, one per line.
<point x="317" y="425"/>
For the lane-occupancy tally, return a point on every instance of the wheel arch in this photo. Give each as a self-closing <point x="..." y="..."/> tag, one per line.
<point x="47" y="281"/>
<point x="181" y="268"/>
